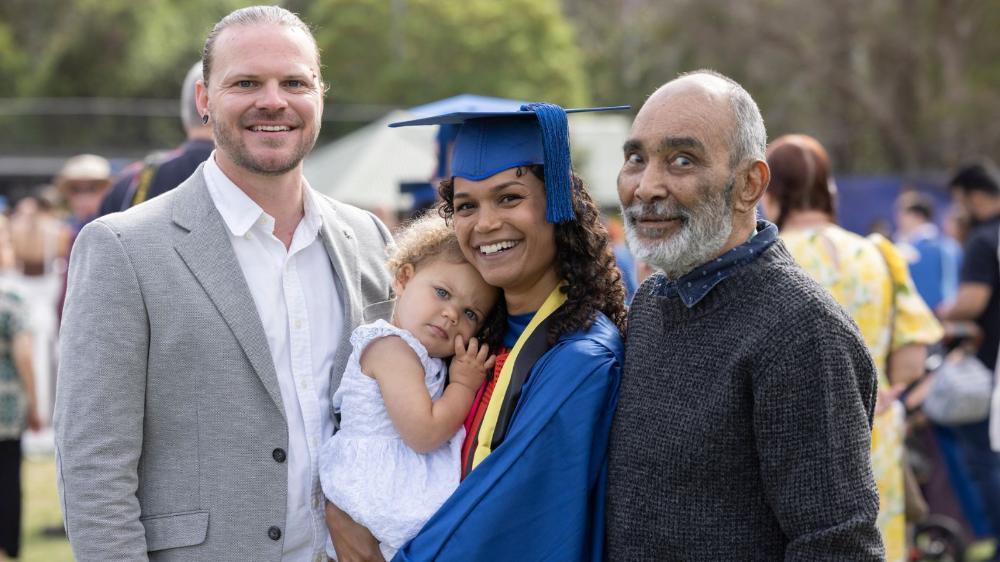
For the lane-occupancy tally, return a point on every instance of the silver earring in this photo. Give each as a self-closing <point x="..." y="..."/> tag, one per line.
<point x="204" y="119"/>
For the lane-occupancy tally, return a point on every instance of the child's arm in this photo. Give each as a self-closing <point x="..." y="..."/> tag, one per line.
<point x="423" y="424"/>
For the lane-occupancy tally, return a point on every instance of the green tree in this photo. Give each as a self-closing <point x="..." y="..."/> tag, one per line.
<point x="112" y="48"/>
<point x="13" y="61"/>
<point x="898" y="85"/>
<point x="406" y="52"/>
<point x="99" y="48"/>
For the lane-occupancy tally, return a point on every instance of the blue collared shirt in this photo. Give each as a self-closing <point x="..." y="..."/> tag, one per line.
<point x="693" y="286"/>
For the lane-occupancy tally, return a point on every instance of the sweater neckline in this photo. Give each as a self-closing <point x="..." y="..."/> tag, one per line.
<point x="733" y="287"/>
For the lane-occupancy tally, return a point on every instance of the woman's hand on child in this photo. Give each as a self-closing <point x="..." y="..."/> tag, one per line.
<point x="470" y="364"/>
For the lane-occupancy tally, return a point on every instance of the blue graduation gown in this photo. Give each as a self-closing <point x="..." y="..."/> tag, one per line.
<point x="540" y="494"/>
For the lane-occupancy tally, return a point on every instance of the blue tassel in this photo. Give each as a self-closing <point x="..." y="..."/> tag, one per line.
<point x="555" y="144"/>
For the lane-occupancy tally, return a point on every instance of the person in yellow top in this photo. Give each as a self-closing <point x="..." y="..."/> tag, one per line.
<point x="869" y="278"/>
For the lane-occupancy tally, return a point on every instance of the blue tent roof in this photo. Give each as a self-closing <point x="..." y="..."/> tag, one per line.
<point x="455" y="104"/>
<point x="465" y="102"/>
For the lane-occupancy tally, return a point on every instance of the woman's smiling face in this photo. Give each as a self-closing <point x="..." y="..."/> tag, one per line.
<point x="501" y="228"/>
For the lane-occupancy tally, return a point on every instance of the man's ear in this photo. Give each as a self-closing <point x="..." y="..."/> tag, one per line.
<point x="403" y="277"/>
<point x="755" y="180"/>
<point x="201" y="97"/>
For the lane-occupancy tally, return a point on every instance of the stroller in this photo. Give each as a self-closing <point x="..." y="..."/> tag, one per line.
<point x="940" y="531"/>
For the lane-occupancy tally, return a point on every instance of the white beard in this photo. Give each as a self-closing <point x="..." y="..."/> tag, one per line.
<point x="704" y="231"/>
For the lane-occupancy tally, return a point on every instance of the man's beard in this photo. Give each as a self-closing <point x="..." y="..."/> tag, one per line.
<point x="704" y="230"/>
<point x="231" y="143"/>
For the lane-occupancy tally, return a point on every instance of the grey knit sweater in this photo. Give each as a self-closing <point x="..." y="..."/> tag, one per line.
<point x="743" y="426"/>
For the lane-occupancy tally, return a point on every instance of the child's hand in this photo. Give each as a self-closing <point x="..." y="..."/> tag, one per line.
<point x="470" y="365"/>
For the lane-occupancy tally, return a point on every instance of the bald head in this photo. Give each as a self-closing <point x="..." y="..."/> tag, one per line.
<point x="720" y="102"/>
<point x="707" y="82"/>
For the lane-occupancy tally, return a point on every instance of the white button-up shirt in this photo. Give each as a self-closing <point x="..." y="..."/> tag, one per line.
<point x="297" y="301"/>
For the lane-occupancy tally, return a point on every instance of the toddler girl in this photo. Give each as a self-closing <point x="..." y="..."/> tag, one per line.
<point x="396" y="457"/>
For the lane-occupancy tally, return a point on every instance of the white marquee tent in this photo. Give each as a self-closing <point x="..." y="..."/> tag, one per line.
<point x="366" y="167"/>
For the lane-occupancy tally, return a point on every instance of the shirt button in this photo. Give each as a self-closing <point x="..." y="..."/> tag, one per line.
<point x="279" y="454"/>
<point x="298" y="324"/>
<point x="274" y="533"/>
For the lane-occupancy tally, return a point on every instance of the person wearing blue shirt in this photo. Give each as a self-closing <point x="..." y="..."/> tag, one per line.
<point x="933" y="258"/>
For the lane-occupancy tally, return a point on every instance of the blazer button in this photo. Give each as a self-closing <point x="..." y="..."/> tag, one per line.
<point x="279" y="454"/>
<point x="274" y="533"/>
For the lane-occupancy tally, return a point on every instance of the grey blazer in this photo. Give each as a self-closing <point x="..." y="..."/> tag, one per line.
<point x="168" y="410"/>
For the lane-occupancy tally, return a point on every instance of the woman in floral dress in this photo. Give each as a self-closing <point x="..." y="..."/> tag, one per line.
<point x="870" y="279"/>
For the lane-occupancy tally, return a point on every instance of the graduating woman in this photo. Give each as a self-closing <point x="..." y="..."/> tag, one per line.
<point x="534" y="458"/>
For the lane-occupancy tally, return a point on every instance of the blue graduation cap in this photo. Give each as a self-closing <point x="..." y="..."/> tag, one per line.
<point x="489" y="142"/>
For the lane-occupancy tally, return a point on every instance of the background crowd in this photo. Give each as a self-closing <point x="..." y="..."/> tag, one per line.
<point x="847" y="81"/>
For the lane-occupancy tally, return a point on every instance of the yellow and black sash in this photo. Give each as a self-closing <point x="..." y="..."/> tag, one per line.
<point x="491" y="430"/>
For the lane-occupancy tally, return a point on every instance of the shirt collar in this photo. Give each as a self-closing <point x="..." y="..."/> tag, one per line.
<point x="241" y="213"/>
<point x="311" y="219"/>
<point x="695" y="285"/>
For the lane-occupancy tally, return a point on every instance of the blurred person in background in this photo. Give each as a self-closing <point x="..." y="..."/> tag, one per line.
<point x="869" y="278"/>
<point x="39" y="241"/>
<point x="623" y="257"/>
<point x="957" y="225"/>
<point x="976" y="189"/>
<point x="82" y="183"/>
<point x="18" y="411"/>
<point x="933" y="258"/>
<point x="6" y="247"/>
<point x="159" y="173"/>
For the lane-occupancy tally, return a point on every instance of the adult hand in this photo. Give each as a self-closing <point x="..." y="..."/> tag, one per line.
<point x="353" y="542"/>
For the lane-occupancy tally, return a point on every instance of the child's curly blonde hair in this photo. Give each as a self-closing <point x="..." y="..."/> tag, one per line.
<point x="425" y="237"/>
<point x="429" y="237"/>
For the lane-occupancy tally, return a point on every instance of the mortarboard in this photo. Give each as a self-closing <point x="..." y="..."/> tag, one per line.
<point x="490" y="142"/>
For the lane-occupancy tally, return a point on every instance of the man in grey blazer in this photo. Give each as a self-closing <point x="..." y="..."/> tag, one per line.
<point x="205" y="330"/>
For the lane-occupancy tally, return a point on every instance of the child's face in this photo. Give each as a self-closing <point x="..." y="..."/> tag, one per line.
<point x="441" y="300"/>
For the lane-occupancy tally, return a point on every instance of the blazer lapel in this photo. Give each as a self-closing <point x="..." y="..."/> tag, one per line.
<point x="342" y="247"/>
<point x="209" y="255"/>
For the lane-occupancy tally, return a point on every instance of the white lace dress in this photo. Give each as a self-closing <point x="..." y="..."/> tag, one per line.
<point x="367" y="470"/>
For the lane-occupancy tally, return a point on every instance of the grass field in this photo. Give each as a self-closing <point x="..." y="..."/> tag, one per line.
<point x="41" y="511"/>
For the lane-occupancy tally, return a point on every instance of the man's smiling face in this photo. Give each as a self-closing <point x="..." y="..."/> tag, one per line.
<point x="265" y="98"/>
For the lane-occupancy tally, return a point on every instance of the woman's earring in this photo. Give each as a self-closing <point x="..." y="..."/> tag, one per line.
<point x="204" y="119"/>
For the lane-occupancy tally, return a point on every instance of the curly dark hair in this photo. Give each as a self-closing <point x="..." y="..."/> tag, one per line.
<point x="584" y="259"/>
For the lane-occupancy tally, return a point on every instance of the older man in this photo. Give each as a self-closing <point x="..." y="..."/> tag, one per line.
<point x="743" y="424"/>
<point x="205" y="330"/>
